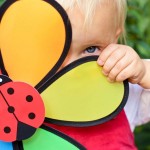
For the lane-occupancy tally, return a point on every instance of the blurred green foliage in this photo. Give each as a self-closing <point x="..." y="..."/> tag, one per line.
<point x="1" y="1"/>
<point x="138" y="26"/>
<point x="142" y="137"/>
<point x="138" y="37"/>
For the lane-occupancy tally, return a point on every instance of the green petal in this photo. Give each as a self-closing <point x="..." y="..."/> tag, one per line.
<point x="47" y="138"/>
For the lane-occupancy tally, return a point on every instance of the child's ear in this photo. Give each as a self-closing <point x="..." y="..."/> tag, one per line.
<point x="117" y="35"/>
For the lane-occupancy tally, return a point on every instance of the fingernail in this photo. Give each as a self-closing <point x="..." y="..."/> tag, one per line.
<point x="100" y="62"/>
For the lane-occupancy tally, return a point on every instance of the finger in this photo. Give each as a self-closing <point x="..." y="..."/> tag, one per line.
<point x="137" y="77"/>
<point x="106" y="53"/>
<point x="127" y="73"/>
<point x="113" y="60"/>
<point x="119" y="66"/>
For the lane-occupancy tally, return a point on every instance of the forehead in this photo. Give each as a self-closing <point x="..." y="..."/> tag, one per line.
<point x="99" y="27"/>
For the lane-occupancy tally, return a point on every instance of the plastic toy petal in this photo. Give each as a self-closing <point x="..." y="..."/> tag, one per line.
<point x="49" y="138"/>
<point x="35" y="36"/>
<point x="6" y="145"/>
<point x="80" y="95"/>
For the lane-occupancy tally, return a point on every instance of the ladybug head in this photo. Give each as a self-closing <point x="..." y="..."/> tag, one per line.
<point x="4" y="79"/>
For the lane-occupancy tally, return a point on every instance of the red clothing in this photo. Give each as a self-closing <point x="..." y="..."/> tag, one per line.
<point x="113" y="135"/>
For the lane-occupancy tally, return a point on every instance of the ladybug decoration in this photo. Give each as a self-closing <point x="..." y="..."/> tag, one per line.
<point x="35" y="37"/>
<point x="22" y="109"/>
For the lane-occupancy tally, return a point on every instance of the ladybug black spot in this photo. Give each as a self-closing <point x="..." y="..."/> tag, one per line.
<point x="29" y="98"/>
<point x="11" y="109"/>
<point x="31" y="115"/>
<point x="10" y="91"/>
<point x="7" y="130"/>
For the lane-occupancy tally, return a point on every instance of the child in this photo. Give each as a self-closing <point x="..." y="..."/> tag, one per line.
<point x="97" y="25"/>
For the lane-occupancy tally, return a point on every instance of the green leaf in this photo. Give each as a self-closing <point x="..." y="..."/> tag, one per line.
<point x="1" y="2"/>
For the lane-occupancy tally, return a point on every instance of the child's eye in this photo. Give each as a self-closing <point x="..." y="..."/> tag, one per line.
<point x="92" y="50"/>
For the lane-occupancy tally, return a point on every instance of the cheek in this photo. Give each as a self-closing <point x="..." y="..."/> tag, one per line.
<point x="70" y="58"/>
<point x="66" y="62"/>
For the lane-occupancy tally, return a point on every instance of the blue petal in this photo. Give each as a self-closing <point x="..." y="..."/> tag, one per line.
<point x="6" y="146"/>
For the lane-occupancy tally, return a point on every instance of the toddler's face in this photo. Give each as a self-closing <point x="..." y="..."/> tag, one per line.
<point x="92" y="40"/>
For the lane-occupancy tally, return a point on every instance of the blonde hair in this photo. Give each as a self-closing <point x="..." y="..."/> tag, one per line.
<point x="88" y="8"/>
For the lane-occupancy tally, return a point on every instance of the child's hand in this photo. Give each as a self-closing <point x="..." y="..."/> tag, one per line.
<point x="121" y="62"/>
